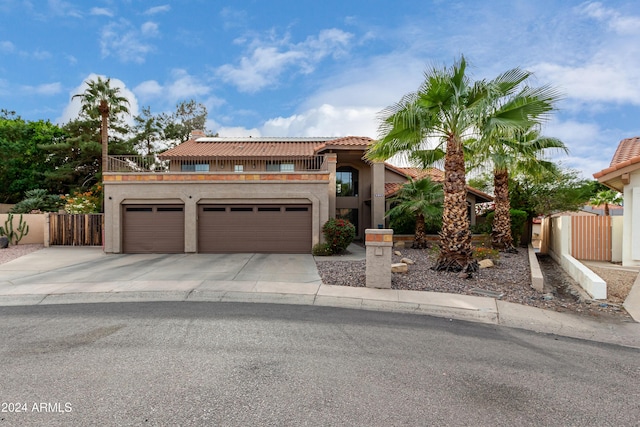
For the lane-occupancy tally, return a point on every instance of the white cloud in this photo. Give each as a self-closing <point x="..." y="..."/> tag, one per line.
<point x="608" y="72"/>
<point x="128" y="43"/>
<point x="63" y="8"/>
<point x="157" y="9"/>
<point x="149" y="29"/>
<point x="182" y="86"/>
<point x="268" y="59"/>
<point x="325" y="120"/>
<point x="101" y="11"/>
<point x="624" y="25"/>
<point x="72" y="110"/>
<point x="7" y="46"/>
<point x="44" y="89"/>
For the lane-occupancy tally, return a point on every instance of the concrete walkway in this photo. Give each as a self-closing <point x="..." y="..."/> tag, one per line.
<point x="64" y="275"/>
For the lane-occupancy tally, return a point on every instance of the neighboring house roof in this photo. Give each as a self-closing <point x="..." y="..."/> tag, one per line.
<point x="436" y="175"/>
<point x="626" y="159"/>
<point x="234" y="147"/>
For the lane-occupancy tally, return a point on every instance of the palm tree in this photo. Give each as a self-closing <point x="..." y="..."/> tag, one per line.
<point x="100" y="100"/>
<point x="606" y="198"/>
<point x="516" y="152"/>
<point x="422" y="198"/>
<point x="448" y="110"/>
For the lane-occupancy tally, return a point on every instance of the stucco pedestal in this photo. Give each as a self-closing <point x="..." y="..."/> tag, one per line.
<point x="379" y="245"/>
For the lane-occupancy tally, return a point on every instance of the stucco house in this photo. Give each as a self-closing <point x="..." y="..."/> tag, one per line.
<point x="224" y="195"/>
<point x="623" y="175"/>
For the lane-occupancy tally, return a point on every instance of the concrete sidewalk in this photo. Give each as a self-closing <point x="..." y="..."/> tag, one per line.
<point x="87" y="275"/>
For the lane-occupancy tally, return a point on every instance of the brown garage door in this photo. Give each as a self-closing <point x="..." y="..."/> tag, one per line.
<point x="254" y="228"/>
<point x="153" y="229"/>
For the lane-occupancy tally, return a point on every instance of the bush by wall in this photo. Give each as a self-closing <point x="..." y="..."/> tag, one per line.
<point x="338" y="234"/>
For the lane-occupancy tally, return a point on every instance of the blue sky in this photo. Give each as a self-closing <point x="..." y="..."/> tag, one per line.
<point x="309" y="68"/>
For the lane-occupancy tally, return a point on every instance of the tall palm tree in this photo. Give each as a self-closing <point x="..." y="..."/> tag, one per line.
<point x="423" y="198"/>
<point x="100" y="100"/>
<point x="520" y="152"/>
<point x="606" y="198"/>
<point x="448" y="110"/>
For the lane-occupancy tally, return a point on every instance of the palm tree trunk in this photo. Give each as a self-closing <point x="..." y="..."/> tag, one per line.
<point x="606" y="209"/>
<point x="103" y="108"/>
<point x="501" y="237"/>
<point x="420" y="238"/>
<point x="456" y="253"/>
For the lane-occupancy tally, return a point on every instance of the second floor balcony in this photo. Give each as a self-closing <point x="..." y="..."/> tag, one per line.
<point x="132" y="164"/>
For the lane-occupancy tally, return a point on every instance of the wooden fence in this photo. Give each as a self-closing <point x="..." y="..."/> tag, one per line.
<point x="75" y="229"/>
<point x="591" y="238"/>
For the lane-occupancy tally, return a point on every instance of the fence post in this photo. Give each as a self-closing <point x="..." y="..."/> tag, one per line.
<point x="47" y="231"/>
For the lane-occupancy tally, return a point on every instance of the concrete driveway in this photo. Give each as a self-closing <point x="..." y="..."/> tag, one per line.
<point x="68" y="265"/>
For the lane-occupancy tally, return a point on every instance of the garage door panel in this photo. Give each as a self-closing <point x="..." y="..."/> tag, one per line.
<point x="254" y="228"/>
<point x="153" y="229"/>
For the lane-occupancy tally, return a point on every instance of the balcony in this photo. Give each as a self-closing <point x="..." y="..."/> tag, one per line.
<point x="267" y="165"/>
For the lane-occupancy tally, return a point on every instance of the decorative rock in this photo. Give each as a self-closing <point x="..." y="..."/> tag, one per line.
<point x="399" y="267"/>
<point x="485" y="263"/>
<point x="399" y="244"/>
<point x="4" y="242"/>
<point x="547" y="297"/>
<point x="398" y="253"/>
<point x="408" y="261"/>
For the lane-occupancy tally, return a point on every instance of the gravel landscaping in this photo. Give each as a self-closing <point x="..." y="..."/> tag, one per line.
<point x="16" y="251"/>
<point x="510" y="278"/>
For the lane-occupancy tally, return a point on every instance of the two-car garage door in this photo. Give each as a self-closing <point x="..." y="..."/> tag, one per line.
<point x="254" y="228"/>
<point x="221" y="228"/>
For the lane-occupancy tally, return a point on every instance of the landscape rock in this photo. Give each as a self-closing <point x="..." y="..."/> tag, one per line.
<point x="397" y="253"/>
<point x="408" y="261"/>
<point x="399" y="267"/>
<point x="4" y="242"/>
<point x="485" y="263"/>
<point x="399" y="244"/>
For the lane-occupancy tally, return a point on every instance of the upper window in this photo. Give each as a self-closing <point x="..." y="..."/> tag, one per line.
<point x="238" y="168"/>
<point x="280" y="167"/>
<point x="346" y="181"/>
<point x="203" y="167"/>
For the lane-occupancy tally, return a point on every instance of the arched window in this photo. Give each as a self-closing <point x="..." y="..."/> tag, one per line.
<point x="346" y="181"/>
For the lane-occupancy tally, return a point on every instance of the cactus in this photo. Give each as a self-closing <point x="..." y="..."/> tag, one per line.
<point x="16" y="235"/>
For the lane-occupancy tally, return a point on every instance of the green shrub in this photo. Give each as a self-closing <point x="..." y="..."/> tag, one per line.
<point x="518" y="219"/>
<point x="38" y="200"/>
<point x="406" y="224"/>
<point x="338" y="234"/>
<point x="321" y="249"/>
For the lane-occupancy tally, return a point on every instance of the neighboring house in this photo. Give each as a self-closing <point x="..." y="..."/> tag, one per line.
<point x="224" y="195"/>
<point x="623" y="175"/>
<point x="614" y="210"/>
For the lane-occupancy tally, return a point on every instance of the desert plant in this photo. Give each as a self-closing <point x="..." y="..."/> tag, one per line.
<point x="38" y="200"/>
<point x="338" y="234"/>
<point x="482" y="252"/>
<point x="16" y="235"/>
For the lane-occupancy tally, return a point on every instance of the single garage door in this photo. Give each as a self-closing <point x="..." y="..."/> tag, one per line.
<point x="153" y="229"/>
<point x="254" y="228"/>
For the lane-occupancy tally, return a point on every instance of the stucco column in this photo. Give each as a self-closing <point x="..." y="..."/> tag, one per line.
<point x="379" y="244"/>
<point x="190" y="225"/>
<point x="332" y="160"/>
<point x="377" y="195"/>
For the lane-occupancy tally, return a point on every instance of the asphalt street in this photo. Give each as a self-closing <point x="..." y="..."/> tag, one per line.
<point x="190" y="363"/>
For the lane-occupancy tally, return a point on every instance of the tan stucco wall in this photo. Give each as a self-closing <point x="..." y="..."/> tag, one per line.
<point x="191" y="193"/>
<point x="36" y="223"/>
<point x="631" y="220"/>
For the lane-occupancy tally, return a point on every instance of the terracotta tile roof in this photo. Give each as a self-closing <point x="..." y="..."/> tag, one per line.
<point x="391" y="188"/>
<point x="416" y="173"/>
<point x="245" y="147"/>
<point x="262" y="147"/>
<point x="627" y="154"/>
<point x="627" y="149"/>
<point x="348" y="142"/>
